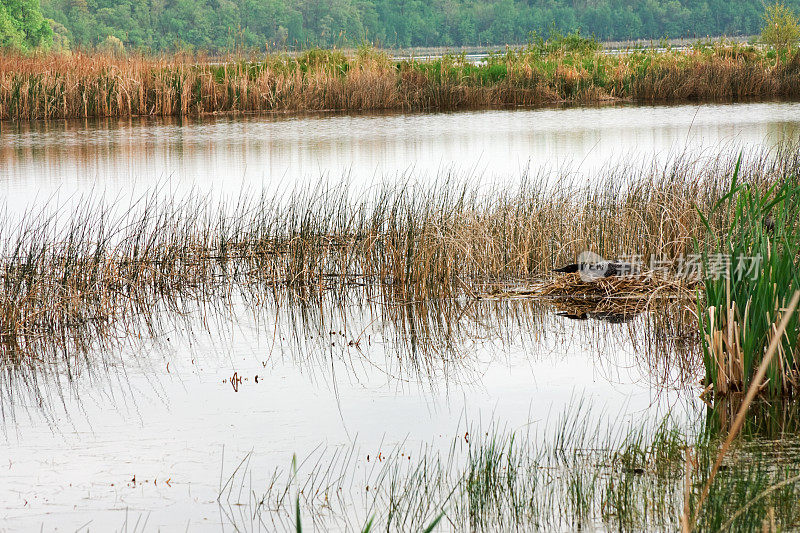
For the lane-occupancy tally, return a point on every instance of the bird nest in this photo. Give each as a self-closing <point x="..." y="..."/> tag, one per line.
<point x="613" y="295"/>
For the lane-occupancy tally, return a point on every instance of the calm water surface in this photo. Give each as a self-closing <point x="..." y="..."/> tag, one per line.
<point x="277" y="153"/>
<point x="166" y="412"/>
<point x="148" y="430"/>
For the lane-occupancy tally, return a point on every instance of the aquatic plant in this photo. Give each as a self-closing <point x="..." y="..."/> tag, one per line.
<point x="88" y="268"/>
<point x="751" y="272"/>
<point x="582" y="472"/>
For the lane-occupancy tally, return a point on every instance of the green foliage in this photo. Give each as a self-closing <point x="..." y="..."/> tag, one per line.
<point x="559" y="42"/>
<point x="585" y="474"/>
<point x="112" y="45"/>
<point x="317" y="59"/>
<point x="258" y="24"/>
<point x="22" y="25"/>
<point x="781" y="29"/>
<point x="750" y="274"/>
<point x="10" y="35"/>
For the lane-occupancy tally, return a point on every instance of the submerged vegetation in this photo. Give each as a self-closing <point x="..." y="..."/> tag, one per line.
<point x="581" y="472"/>
<point x="560" y="69"/>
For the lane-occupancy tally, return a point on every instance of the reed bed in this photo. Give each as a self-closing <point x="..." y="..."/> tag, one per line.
<point x="87" y="268"/>
<point x="581" y="473"/>
<point x="568" y="70"/>
<point x="752" y="272"/>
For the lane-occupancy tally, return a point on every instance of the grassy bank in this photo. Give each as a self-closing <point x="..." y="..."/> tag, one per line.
<point x="565" y="69"/>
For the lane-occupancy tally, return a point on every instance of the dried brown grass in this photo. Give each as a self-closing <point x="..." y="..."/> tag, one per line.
<point x="410" y="243"/>
<point x="81" y="85"/>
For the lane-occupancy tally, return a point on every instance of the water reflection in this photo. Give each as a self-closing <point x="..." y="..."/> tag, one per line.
<point x="158" y="399"/>
<point x="424" y="346"/>
<point x="582" y="475"/>
<point x="766" y="420"/>
<point x="277" y="152"/>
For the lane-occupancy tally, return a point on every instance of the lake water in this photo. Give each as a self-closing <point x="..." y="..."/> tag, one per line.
<point x="166" y="414"/>
<point x="60" y="159"/>
<point x="149" y="430"/>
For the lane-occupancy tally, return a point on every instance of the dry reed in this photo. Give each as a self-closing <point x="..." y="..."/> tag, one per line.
<point x="80" y="85"/>
<point x="414" y="243"/>
<point x="612" y="299"/>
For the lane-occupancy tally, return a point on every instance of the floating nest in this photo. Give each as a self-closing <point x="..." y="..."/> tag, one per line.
<point x="613" y="298"/>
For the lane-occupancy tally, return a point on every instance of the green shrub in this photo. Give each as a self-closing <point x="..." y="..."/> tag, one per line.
<point x="781" y="29"/>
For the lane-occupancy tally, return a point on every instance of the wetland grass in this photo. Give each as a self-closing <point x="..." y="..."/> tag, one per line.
<point x="89" y="268"/>
<point x="562" y="69"/>
<point x="582" y="473"/>
<point x="752" y="270"/>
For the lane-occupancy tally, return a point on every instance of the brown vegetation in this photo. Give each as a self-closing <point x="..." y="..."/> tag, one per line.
<point x="56" y="86"/>
<point x="412" y="244"/>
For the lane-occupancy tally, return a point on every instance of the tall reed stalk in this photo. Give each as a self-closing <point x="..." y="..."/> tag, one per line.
<point x="750" y="273"/>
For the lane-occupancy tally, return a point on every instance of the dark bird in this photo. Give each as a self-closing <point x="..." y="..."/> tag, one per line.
<point x="606" y="269"/>
<point x="611" y="318"/>
<point x="574" y="316"/>
<point x="769" y="224"/>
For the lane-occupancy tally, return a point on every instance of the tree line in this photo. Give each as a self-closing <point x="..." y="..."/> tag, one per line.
<point x="22" y="25"/>
<point x="223" y="25"/>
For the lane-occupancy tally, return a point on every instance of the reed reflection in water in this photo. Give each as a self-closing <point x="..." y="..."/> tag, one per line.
<point x="332" y="366"/>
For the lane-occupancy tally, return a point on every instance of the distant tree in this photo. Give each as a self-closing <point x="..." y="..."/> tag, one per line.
<point x="781" y="29"/>
<point x="22" y="25"/>
<point x="219" y="25"/>
<point x="10" y="35"/>
<point x="113" y="46"/>
<point x="60" y="36"/>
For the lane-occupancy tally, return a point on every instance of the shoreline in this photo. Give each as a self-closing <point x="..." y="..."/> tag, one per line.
<point x="566" y="73"/>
